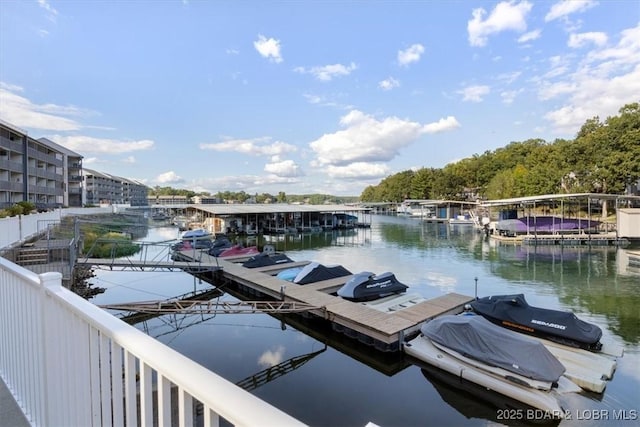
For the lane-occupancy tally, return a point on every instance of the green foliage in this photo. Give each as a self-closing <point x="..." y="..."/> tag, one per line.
<point x="27" y="207"/>
<point x="109" y="245"/>
<point x="602" y="158"/>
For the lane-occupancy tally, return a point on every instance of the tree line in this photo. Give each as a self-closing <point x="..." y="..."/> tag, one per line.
<point x="604" y="157"/>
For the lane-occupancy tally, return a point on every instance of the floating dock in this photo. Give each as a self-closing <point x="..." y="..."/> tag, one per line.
<point x="583" y="239"/>
<point x="383" y="330"/>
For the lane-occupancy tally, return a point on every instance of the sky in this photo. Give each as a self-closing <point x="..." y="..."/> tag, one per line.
<point x="308" y="97"/>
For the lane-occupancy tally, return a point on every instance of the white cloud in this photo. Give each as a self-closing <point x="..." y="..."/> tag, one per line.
<point x="509" y="78"/>
<point x="474" y="93"/>
<point x="388" y="84"/>
<point x="271" y="358"/>
<point x="169" y="178"/>
<point x="285" y="168"/>
<point x="327" y="72"/>
<point x="21" y="112"/>
<point x="606" y="79"/>
<point x="529" y="36"/>
<point x="505" y="16"/>
<point x="509" y="96"/>
<point x="567" y="7"/>
<point x="410" y="55"/>
<point x="358" y="171"/>
<point x="366" y="139"/>
<point x="580" y="40"/>
<point x="87" y="144"/>
<point x="129" y="159"/>
<point x="256" y="147"/>
<point x="268" y="48"/>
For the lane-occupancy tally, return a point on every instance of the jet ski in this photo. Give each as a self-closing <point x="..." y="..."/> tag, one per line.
<point x="513" y="312"/>
<point x="313" y="272"/>
<point x="367" y="286"/>
<point x="221" y="244"/>
<point x="264" y="259"/>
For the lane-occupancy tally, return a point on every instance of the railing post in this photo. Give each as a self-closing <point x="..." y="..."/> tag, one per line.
<point x="52" y="282"/>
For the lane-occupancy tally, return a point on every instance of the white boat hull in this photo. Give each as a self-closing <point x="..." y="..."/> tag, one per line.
<point x="423" y="349"/>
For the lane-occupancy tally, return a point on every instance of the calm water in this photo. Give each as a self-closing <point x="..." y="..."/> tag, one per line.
<point x="324" y="379"/>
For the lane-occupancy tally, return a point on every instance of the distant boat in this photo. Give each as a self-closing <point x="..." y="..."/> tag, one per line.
<point x="160" y="216"/>
<point x="197" y="234"/>
<point x="545" y="224"/>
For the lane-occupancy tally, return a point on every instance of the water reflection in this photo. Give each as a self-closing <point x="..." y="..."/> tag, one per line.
<point x="386" y="388"/>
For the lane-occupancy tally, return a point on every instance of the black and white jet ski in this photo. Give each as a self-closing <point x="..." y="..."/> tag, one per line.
<point x="513" y="312"/>
<point x="366" y="286"/>
<point x="264" y="259"/>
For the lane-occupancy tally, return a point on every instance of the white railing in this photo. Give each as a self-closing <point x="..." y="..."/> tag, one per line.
<point x="18" y="228"/>
<point x="69" y="363"/>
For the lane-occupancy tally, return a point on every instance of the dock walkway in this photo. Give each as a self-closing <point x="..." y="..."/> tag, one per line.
<point x="355" y="319"/>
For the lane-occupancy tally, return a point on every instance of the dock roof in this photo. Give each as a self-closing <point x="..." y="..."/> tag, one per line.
<point x="550" y="197"/>
<point x="244" y="209"/>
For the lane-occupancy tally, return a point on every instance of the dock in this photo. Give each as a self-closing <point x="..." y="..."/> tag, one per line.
<point x="565" y="239"/>
<point x="383" y="330"/>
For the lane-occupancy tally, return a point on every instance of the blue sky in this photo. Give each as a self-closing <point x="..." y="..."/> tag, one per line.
<point x="308" y="96"/>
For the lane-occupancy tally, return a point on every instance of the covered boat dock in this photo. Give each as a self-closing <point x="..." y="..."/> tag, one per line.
<point x="569" y="219"/>
<point x="277" y="218"/>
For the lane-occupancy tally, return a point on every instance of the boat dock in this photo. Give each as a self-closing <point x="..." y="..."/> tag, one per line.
<point x="383" y="330"/>
<point x="566" y="239"/>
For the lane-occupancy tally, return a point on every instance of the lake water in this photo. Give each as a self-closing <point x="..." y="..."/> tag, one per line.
<point x="324" y="379"/>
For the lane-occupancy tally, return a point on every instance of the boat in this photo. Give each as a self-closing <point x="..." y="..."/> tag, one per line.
<point x="367" y="286"/>
<point x="545" y="225"/>
<point x="160" y="216"/>
<point x="239" y="250"/>
<point x="264" y="259"/>
<point x="313" y="272"/>
<point x="220" y="244"/>
<point x="189" y="245"/>
<point x="472" y="348"/>
<point x="196" y="234"/>
<point x="513" y="312"/>
<point x="289" y="274"/>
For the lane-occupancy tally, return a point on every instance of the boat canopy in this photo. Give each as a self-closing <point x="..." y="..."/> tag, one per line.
<point x="477" y="338"/>
<point x="561" y="326"/>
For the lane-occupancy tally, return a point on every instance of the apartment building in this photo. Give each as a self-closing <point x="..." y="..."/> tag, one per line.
<point x="103" y="188"/>
<point x="39" y="171"/>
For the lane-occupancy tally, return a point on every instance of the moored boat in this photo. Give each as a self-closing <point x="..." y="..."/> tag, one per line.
<point x="367" y="286"/>
<point x="264" y="259"/>
<point x="474" y="349"/>
<point x="313" y="272"/>
<point x="238" y="250"/>
<point x="513" y="312"/>
<point x="196" y="234"/>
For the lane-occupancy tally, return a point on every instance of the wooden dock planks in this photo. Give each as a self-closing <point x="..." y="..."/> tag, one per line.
<point x="383" y="326"/>
<point x="386" y="327"/>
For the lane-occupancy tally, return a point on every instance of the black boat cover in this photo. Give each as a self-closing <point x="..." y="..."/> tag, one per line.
<point x="513" y="311"/>
<point x="366" y="286"/>
<point x="263" y="259"/>
<point x="315" y="272"/>
<point x="477" y="338"/>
